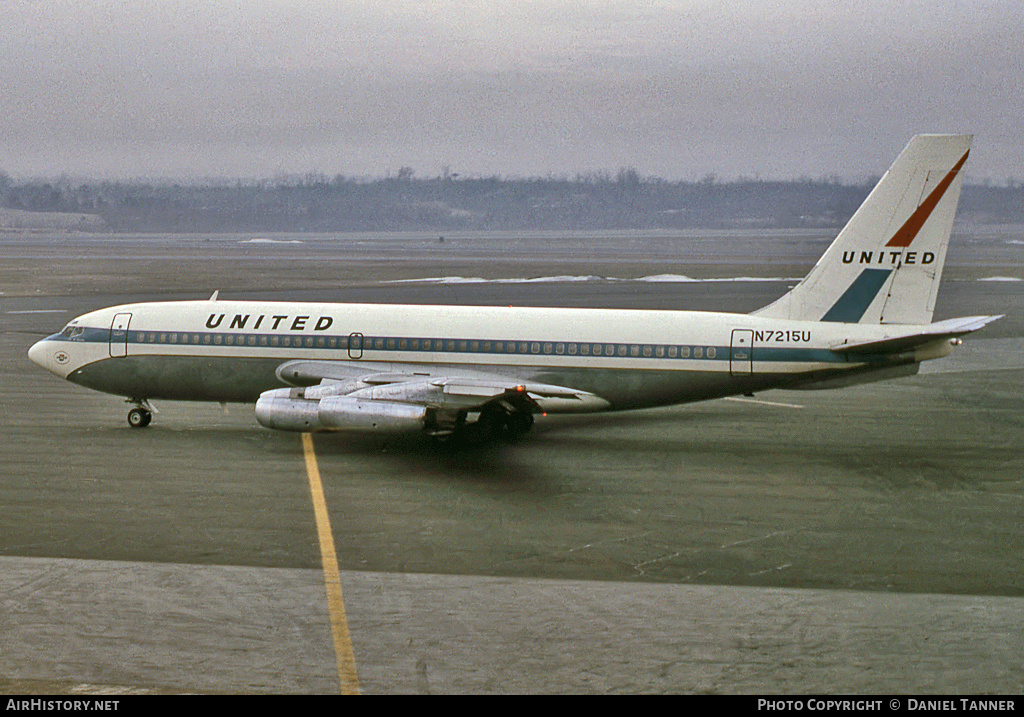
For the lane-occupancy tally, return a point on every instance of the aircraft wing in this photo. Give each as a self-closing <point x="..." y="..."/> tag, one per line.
<point x="435" y="386"/>
<point x="919" y="336"/>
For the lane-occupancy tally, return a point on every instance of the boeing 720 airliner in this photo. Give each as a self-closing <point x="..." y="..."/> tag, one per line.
<point x="863" y="313"/>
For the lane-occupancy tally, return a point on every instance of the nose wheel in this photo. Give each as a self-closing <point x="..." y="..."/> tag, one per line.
<point x="141" y="415"/>
<point x="139" y="418"/>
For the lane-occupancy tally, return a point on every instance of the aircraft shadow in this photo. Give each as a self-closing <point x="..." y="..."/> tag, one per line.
<point x="493" y="463"/>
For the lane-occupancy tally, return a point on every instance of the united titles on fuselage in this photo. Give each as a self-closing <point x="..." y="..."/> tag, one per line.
<point x="274" y="323"/>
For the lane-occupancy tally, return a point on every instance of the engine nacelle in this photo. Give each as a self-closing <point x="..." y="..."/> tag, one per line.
<point x="287" y="410"/>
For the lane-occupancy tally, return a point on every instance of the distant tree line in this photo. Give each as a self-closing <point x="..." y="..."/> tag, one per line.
<point x="623" y="200"/>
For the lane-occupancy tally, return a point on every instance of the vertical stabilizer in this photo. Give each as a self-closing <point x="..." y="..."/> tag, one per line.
<point x="886" y="263"/>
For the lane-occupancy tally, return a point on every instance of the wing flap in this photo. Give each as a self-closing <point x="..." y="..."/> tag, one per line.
<point x="543" y="397"/>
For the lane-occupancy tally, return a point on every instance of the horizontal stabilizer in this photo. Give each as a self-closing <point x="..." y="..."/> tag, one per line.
<point x="899" y="343"/>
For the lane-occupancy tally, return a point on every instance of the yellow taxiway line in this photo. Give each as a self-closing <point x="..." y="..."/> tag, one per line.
<point x="332" y="577"/>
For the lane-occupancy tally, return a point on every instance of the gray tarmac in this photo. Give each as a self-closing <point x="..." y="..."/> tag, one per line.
<point x="855" y="541"/>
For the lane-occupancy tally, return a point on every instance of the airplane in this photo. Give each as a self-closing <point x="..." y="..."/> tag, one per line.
<point x="862" y="314"/>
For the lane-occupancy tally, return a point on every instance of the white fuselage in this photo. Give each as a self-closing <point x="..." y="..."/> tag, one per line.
<point x="231" y="350"/>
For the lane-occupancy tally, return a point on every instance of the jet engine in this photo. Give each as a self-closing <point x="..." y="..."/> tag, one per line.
<point x="289" y="410"/>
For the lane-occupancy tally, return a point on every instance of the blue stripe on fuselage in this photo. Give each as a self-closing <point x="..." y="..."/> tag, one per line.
<point x="338" y="346"/>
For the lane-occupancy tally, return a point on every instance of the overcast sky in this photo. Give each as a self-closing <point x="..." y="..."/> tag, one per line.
<point x="672" y="88"/>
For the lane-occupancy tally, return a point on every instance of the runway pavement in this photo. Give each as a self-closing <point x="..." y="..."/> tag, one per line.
<point x="99" y="627"/>
<point x="864" y="540"/>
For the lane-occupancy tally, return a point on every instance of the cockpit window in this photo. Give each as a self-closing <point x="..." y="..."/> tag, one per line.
<point x="71" y="332"/>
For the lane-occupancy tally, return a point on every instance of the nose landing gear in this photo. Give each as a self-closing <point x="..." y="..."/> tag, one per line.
<point x="142" y="414"/>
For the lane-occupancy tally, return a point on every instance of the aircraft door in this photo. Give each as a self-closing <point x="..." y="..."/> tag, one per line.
<point x="119" y="335"/>
<point x="741" y="352"/>
<point x="355" y="346"/>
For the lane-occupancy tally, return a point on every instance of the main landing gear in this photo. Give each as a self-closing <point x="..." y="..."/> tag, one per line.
<point x="498" y="421"/>
<point x="142" y="414"/>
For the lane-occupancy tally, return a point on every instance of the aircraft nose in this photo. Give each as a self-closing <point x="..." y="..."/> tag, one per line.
<point x="38" y="353"/>
<point x="50" y="356"/>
